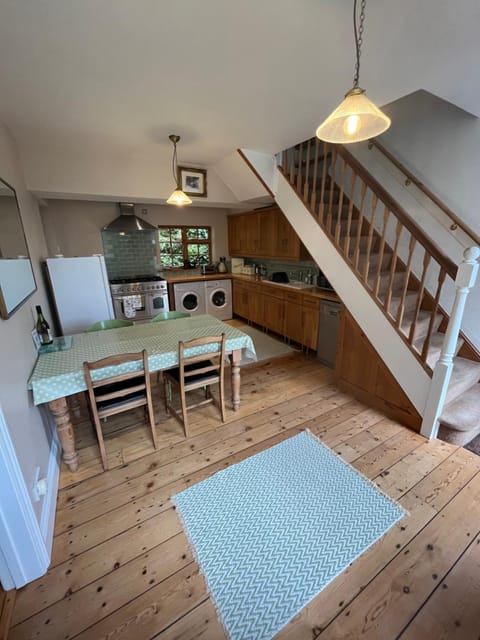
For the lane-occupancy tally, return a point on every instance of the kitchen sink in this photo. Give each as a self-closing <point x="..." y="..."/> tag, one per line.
<point x="293" y="284"/>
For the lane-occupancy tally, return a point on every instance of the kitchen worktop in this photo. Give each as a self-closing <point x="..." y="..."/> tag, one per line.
<point x="311" y="290"/>
<point x="193" y="276"/>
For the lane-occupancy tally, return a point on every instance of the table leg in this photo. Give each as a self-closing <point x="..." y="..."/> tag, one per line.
<point x="61" y="415"/>
<point x="235" y="358"/>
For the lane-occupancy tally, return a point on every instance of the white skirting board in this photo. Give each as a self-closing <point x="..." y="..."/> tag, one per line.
<point x="25" y="543"/>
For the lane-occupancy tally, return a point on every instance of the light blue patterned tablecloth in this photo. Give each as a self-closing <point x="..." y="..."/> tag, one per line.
<point x="60" y="374"/>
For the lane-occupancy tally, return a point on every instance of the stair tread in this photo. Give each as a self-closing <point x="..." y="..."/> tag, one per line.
<point x="463" y="414"/>
<point x="465" y="374"/>
<point x="435" y="347"/>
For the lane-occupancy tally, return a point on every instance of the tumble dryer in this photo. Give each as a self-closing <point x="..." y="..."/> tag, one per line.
<point x="218" y="298"/>
<point x="190" y="297"/>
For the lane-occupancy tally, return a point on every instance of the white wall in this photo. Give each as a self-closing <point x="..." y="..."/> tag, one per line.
<point x="73" y="227"/>
<point x="440" y="144"/>
<point x="31" y="439"/>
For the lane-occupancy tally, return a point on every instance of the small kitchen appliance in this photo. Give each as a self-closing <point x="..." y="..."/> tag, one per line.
<point x="222" y="267"/>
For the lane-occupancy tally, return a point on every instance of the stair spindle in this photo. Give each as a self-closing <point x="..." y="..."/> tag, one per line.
<point x="326" y="159"/>
<point x="299" y="170"/>
<point x="381" y="251"/>
<point x="401" y="306"/>
<point x="331" y="184"/>
<point x="370" y="237"/>
<point x="306" y="186"/>
<point x="340" y="204"/>
<point x="421" y="289"/>
<point x="436" y="302"/>
<point x="346" y="244"/>
<point x="356" y="255"/>
<point x="393" y="266"/>
<point x="315" y="171"/>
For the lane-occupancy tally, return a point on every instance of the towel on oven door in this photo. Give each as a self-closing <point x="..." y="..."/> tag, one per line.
<point x="130" y="305"/>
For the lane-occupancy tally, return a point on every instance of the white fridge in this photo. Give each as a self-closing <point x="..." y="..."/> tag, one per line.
<point x="80" y="291"/>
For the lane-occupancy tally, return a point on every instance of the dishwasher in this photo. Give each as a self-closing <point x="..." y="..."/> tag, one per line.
<point x="328" y="326"/>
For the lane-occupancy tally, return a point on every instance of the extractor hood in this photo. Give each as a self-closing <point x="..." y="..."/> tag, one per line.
<point x="128" y="221"/>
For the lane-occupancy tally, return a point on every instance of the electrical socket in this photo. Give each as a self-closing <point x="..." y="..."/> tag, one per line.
<point x="35" y="492"/>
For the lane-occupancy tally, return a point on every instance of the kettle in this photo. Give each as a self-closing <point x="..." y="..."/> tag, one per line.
<point x="222" y="267"/>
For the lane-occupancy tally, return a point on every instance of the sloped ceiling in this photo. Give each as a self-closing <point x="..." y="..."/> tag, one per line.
<point x="92" y="89"/>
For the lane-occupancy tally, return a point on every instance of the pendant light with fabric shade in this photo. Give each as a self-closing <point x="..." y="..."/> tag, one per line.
<point x="178" y="197"/>
<point x="356" y="118"/>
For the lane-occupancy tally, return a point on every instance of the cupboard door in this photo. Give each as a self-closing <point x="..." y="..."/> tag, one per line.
<point x="287" y="243"/>
<point x="274" y="314"/>
<point x="236" y="240"/>
<point x="240" y="300"/>
<point x="266" y="228"/>
<point x="310" y="321"/>
<point x="293" y="321"/>
<point x="255" y="304"/>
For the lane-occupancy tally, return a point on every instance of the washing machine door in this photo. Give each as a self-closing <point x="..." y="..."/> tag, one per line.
<point x="218" y="298"/>
<point x="190" y="301"/>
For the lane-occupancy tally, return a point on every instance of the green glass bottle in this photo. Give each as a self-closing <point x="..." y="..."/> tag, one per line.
<point x="42" y="327"/>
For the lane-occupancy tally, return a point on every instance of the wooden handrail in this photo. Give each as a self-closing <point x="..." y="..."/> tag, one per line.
<point x="449" y="266"/>
<point x="457" y="222"/>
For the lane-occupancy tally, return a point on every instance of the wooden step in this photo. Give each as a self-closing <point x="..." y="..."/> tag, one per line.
<point x="460" y="420"/>
<point x="397" y="282"/>
<point x="435" y="347"/>
<point x="464" y="375"/>
<point x="409" y="303"/>
<point x="421" y="326"/>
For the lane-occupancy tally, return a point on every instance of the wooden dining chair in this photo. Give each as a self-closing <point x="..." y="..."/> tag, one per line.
<point x="196" y="372"/>
<point x="120" y="392"/>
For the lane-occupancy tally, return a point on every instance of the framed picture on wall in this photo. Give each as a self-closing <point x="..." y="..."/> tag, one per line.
<point x="193" y="181"/>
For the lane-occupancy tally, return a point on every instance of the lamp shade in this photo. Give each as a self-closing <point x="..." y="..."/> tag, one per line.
<point x="355" y="119"/>
<point x="179" y="198"/>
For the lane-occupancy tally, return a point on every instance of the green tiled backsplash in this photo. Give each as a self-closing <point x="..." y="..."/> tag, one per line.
<point x="131" y="254"/>
<point x="295" y="270"/>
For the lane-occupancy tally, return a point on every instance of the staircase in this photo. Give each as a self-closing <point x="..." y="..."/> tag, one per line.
<point x="395" y="261"/>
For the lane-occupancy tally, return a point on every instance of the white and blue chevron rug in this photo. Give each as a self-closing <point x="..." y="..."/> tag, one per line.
<point x="271" y="532"/>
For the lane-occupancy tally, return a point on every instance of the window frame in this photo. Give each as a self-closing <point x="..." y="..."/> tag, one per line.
<point x="185" y="242"/>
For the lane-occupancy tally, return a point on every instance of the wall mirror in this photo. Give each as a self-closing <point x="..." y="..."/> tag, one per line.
<point x="17" y="281"/>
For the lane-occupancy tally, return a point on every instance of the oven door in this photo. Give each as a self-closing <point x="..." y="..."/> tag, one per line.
<point x="123" y="310"/>
<point x="157" y="302"/>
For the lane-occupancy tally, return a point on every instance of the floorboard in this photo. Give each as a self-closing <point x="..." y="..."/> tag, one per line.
<point x="122" y="567"/>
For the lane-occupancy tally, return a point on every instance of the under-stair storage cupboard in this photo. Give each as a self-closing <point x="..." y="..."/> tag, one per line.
<point x="264" y="234"/>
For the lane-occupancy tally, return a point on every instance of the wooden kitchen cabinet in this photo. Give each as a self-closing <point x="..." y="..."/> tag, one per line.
<point x="286" y="242"/>
<point x="263" y="234"/>
<point x="274" y="308"/>
<point x="310" y="320"/>
<point x="294" y="316"/>
<point x="248" y="301"/>
<point x="302" y="318"/>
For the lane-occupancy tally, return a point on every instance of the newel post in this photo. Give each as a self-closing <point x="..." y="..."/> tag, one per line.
<point x="464" y="282"/>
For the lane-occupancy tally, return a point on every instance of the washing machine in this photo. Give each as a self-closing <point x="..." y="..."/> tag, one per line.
<point x="190" y="297"/>
<point x="218" y="298"/>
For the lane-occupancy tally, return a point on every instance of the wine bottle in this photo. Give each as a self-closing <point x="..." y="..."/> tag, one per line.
<point x="42" y="327"/>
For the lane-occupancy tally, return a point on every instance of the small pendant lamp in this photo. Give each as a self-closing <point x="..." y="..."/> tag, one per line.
<point x="178" y="197"/>
<point x="356" y="118"/>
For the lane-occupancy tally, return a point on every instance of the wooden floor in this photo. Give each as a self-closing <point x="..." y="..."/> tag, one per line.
<point x="122" y="567"/>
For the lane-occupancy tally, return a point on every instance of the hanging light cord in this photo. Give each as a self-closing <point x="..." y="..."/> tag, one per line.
<point x="358" y="32"/>
<point x="174" y="163"/>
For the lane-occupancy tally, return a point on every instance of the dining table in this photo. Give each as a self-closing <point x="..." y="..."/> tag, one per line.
<point x="58" y="373"/>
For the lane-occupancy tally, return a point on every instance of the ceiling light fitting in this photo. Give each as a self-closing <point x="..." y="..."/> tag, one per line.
<point x="178" y="197"/>
<point x="356" y="118"/>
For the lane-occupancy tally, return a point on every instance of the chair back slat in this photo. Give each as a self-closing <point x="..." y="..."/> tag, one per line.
<point x="118" y="394"/>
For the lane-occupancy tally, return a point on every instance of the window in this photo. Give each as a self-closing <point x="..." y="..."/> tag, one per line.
<point x="181" y="244"/>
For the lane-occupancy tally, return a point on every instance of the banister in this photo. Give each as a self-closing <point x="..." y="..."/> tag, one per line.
<point x="435" y="199"/>
<point x="436" y="253"/>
